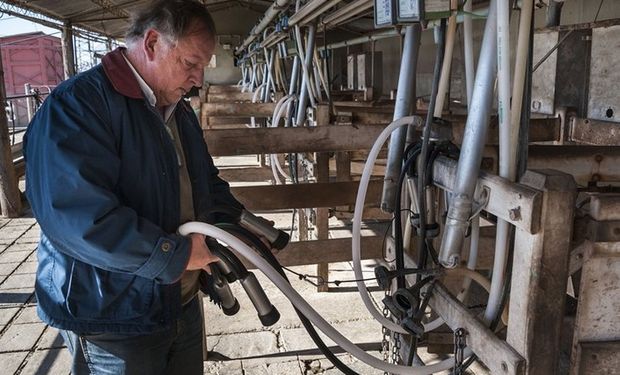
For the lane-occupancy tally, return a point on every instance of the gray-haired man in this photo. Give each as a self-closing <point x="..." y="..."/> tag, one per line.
<point x="115" y="163"/>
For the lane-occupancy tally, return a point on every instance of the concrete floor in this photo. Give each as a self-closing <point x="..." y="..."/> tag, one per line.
<point x="236" y="345"/>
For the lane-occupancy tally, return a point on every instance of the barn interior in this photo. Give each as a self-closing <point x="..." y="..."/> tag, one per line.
<point x="462" y="155"/>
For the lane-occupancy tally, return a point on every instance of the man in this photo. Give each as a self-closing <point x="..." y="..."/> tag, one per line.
<point x="115" y="163"/>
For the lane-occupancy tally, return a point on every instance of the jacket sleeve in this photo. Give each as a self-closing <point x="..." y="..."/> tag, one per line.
<point x="72" y="166"/>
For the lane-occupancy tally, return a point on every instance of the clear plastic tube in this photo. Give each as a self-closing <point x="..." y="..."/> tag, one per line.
<point x="357" y="223"/>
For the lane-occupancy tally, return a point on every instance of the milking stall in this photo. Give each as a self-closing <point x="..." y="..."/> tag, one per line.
<point x="443" y="175"/>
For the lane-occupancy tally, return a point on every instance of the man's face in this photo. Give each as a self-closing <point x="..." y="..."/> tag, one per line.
<point x="177" y="68"/>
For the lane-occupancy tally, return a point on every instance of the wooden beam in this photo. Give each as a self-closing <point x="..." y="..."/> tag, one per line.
<point x="540" y="130"/>
<point x="223" y="88"/>
<point x="322" y="213"/>
<point x="540" y="272"/>
<point x="496" y="354"/>
<point x="68" y="52"/>
<point x="226" y="142"/>
<point x="228" y="97"/>
<point x="244" y="141"/>
<point x="238" y="109"/>
<point x="333" y="250"/>
<point x="516" y="203"/>
<point x="331" y="194"/>
<point x="10" y="199"/>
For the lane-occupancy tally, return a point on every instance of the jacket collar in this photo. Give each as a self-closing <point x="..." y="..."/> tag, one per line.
<point x="120" y="75"/>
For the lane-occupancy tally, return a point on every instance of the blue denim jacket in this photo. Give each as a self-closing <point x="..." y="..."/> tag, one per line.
<point x="102" y="180"/>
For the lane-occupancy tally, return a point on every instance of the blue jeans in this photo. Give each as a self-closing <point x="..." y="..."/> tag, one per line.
<point x="177" y="350"/>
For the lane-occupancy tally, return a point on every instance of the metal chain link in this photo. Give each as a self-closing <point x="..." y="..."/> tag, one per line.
<point x="385" y="341"/>
<point x="396" y="348"/>
<point x="459" y="349"/>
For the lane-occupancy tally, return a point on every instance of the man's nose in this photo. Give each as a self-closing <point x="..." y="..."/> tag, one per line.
<point x="197" y="76"/>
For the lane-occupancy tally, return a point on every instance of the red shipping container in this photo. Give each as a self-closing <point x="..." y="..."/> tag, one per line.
<point x="33" y="58"/>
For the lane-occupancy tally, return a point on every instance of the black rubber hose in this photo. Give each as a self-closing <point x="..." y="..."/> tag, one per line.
<point x="422" y="255"/>
<point x="244" y="234"/>
<point x="238" y="269"/>
<point x="398" y="229"/>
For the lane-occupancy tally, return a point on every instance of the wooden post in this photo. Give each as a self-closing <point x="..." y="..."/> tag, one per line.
<point x="68" y="54"/>
<point x="303" y="224"/>
<point x="322" y="214"/>
<point x="540" y="273"/>
<point x="10" y="199"/>
<point x="343" y="172"/>
<point x="29" y="101"/>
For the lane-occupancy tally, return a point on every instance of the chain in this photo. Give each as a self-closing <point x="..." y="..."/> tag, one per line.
<point x="385" y="341"/>
<point x="459" y="348"/>
<point x="396" y="348"/>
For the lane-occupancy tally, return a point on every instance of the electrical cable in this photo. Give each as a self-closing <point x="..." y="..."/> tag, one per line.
<point x="398" y="236"/>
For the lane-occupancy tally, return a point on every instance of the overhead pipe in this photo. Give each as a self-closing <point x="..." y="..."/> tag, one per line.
<point x="405" y="97"/>
<point x="320" y="11"/>
<point x="347" y="12"/>
<point x="457" y="220"/>
<point x="481" y="12"/>
<point x="270" y="14"/>
<point x="309" y="8"/>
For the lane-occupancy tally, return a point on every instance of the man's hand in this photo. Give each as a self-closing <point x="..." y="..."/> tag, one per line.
<point x="200" y="256"/>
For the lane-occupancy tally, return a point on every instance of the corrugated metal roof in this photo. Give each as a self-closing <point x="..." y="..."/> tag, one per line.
<point x="110" y="17"/>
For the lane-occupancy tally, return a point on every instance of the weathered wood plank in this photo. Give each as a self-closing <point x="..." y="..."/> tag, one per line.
<point x="293" y="139"/>
<point x="496" y="354"/>
<point x="540" y="272"/>
<point x="228" y="97"/>
<point x="238" y="109"/>
<point x="333" y="250"/>
<point x="330" y="194"/>
<point x="243" y="141"/>
<point x="322" y="213"/>
<point x="218" y="89"/>
<point x="10" y="199"/>
<point x="515" y="203"/>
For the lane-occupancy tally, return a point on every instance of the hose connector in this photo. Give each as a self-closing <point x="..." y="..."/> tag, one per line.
<point x="457" y="223"/>
<point x="277" y="238"/>
<point x="267" y="313"/>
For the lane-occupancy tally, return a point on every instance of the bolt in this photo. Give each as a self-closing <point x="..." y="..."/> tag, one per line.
<point x="598" y="158"/>
<point x="515" y="213"/>
<point x="504" y="366"/>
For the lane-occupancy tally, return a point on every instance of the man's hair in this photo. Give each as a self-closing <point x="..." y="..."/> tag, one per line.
<point x="172" y="18"/>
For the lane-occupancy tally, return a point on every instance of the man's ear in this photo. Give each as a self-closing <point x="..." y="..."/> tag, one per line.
<point x="150" y="43"/>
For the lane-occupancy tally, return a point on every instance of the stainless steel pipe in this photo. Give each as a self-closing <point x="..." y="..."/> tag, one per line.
<point x="474" y="139"/>
<point x="405" y="98"/>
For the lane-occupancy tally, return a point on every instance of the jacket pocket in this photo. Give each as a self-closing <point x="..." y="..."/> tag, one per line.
<point x="100" y="295"/>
